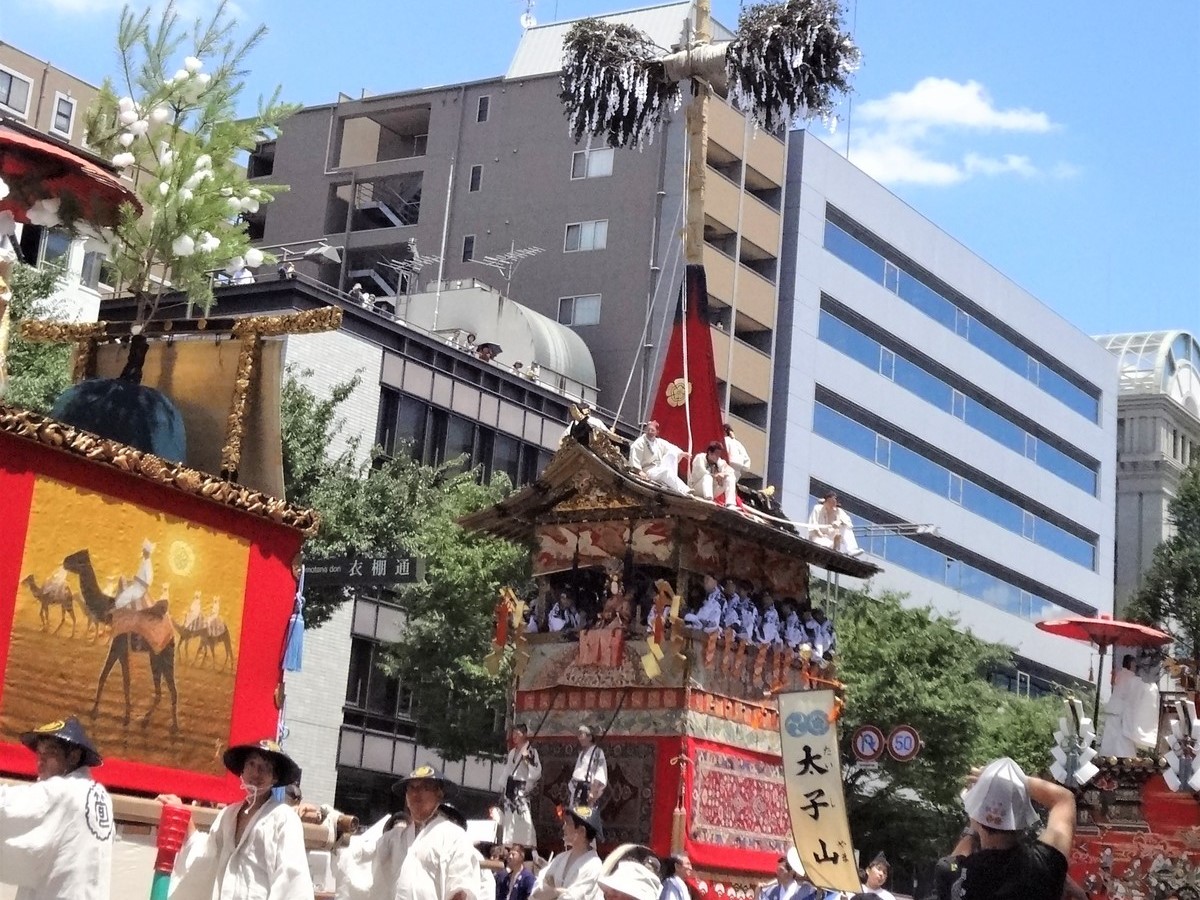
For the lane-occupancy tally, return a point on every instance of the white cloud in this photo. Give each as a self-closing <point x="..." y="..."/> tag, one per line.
<point x="942" y="133"/>
<point x="940" y="102"/>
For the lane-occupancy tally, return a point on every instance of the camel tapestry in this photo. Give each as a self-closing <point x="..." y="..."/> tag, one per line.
<point x="131" y="619"/>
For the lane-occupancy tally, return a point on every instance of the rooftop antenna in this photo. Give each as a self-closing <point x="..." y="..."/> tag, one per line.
<point x="527" y="18"/>
<point x="506" y="263"/>
<point x="410" y="268"/>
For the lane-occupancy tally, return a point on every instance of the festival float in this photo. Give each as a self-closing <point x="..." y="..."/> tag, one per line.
<point x="689" y="720"/>
<point x="147" y="561"/>
<point x="1137" y="831"/>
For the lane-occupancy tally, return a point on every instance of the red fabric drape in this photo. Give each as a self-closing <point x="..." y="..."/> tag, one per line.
<point x="703" y="403"/>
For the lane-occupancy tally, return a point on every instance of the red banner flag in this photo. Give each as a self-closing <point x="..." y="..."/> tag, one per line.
<point x="687" y="389"/>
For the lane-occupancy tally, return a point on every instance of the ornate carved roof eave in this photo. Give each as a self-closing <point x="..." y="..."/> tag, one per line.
<point x="516" y="516"/>
<point x="111" y="454"/>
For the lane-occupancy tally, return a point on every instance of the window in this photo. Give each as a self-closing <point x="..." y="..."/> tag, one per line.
<point x="981" y="412"/>
<point x="476" y="178"/>
<point x="64" y="115"/>
<point x="983" y="499"/>
<point x="56" y="248"/>
<point x="883" y="451"/>
<point x="14" y="91"/>
<point x="582" y="310"/>
<point x="955" y="314"/>
<point x="958" y="404"/>
<point x="586" y="236"/>
<point x="887" y="363"/>
<point x="468" y="253"/>
<point x="93" y="261"/>
<point x="485" y="106"/>
<point x="596" y="163"/>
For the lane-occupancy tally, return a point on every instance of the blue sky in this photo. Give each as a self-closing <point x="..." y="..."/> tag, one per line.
<point x="1060" y="141"/>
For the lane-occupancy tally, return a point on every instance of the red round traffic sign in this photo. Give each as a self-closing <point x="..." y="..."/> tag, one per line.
<point x="868" y="743"/>
<point x="904" y="743"/>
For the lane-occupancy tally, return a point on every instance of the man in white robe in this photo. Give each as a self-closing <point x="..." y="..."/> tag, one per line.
<point x="573" y="873"/>
<point x="830" y="526"/>
<point x="56" y="835"/>
<point x="1130" y="715"/>
<point x="657" y="459"/>
<point x="437" y="859"/>
<point x="522" y="771"/>
<point x="712" y="478"/>
<point x="255" y="849"/>
<point x="589" y="778"/>
<point x="735" y="452"/>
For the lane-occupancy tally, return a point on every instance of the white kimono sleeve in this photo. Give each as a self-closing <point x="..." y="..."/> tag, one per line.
<point x="462" y="870"/>
<point x="195" y="873"/>
<point x="27" y="836"/>
<point x="291" y="878"/>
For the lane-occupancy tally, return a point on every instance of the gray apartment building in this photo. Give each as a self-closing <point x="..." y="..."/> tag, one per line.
<point x="481" y="169"/>
<point x="927" y="389"/>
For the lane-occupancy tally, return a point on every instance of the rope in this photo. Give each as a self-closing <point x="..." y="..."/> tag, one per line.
<point x="687" y="383"/>
<point x="677" y="254"/>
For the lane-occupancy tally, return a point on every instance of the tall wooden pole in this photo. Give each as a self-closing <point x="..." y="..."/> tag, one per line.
<point x="697" y="136"/>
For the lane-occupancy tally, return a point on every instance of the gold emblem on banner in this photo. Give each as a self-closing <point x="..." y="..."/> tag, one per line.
<point x="678" y="391"/>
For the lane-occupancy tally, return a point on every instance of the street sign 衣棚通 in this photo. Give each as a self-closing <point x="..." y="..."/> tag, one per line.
<point x="360" y="571"/>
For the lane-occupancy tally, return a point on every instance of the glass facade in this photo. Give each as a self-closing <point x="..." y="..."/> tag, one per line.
<point x="434" y="435"/>
<point x="913" y="466"/>
<point x="992" y="588"/>
<point x="909" y="288"/>
<point x="978" y="414"/>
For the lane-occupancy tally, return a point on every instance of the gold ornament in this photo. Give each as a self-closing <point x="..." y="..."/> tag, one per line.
<point x="678" y="392"/>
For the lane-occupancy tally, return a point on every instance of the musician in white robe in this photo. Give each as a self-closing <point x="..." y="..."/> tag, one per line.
<point x="658" y="459"/>
<point x="573" y="873"/>
<point x="589" y="778"/>
<point x="255" y="849"/>
<point x="793" y="632"/>
<point x="56" y="834"/>
<point x="708" y="616"/>
<point x="769" y="627"/>
<point x="1130" y="715"/>
<point x="522" y="771"/>
<point x="830" y="526"/>
<point x="712" y="478"/>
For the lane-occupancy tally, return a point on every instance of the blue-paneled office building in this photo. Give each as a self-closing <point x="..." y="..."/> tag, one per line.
<point x="926" y="388"/>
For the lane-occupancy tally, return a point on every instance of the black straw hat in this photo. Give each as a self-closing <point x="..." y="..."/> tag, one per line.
<point x="420" y="773"/>
<point x="589" y="818"/>
<point x="69" y="732"/>
<point x="286" y="770"/>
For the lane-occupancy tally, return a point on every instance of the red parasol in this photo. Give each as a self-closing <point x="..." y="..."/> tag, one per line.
<point x="37" y="167"/>
<point x="1105" y="632"/>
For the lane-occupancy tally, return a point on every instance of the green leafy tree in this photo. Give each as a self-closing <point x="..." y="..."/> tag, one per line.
<point x="1170" y="595"/>
<point x="37" y="372"/>
<point x="398" y="506"/>
<point x="182" y="135"/>
<point x="904" y="665"/>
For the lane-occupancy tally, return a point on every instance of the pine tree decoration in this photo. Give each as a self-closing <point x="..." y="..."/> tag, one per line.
<point x="173" y="126"/>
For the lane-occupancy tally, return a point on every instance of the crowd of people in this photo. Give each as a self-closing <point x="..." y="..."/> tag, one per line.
<point x="57" y="835"/>
<point x="754" y="615"/>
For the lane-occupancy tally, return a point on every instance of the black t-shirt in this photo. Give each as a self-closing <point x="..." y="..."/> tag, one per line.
<point x="1034" y="871"/>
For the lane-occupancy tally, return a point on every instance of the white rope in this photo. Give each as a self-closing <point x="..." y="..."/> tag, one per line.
<point x="674" y="252"/>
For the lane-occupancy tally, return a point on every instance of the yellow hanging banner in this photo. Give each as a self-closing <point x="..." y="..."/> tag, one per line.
<point x="812" y="774"/>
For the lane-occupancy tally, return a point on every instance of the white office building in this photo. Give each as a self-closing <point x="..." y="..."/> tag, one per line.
<point x="926" y="388"/>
